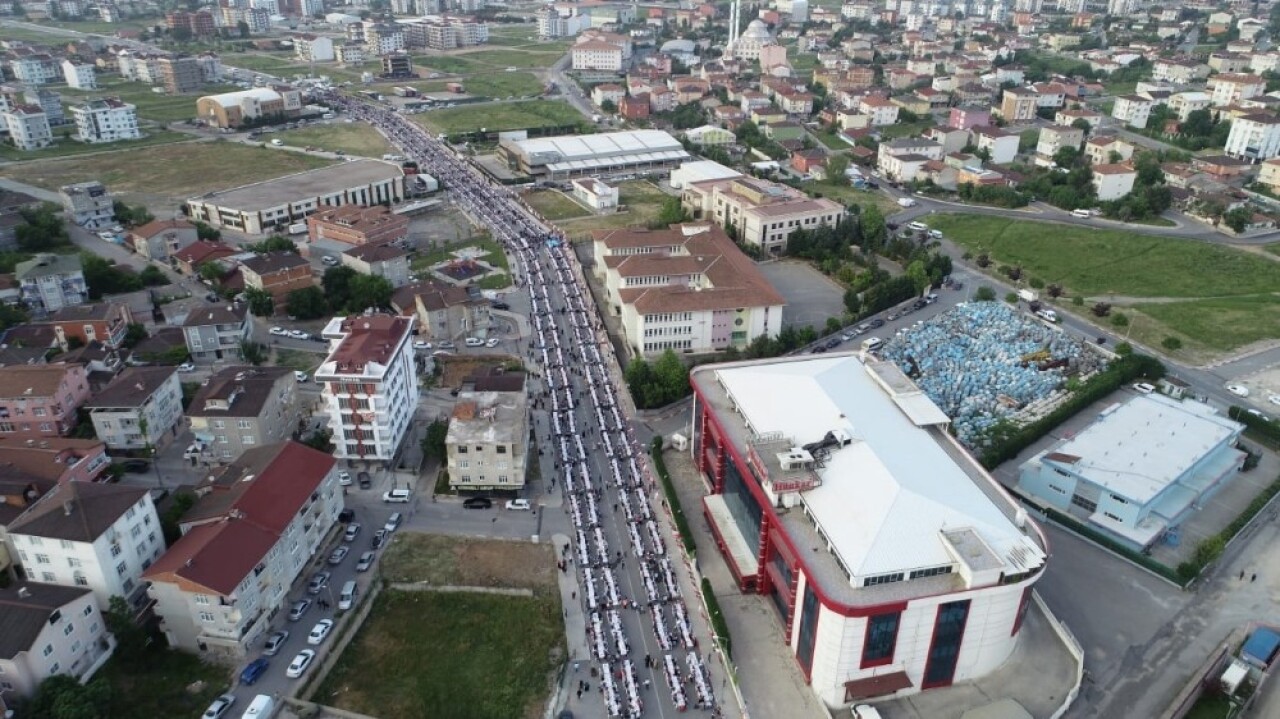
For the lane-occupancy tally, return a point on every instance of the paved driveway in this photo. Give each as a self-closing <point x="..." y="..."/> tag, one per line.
<point x="811" y="296"/>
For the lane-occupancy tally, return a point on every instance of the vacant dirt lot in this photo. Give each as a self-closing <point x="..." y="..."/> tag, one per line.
<point x="458" y="367"/>
<point x="441" y="560"/>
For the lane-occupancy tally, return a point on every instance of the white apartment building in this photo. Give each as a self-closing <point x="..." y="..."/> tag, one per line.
<point x="1229" y="88"/>
<point x="106" y="120"/>
<point x="370" y="385"/>
<point x="761" y="213"/>
<point x="79" y="75"/>
<point x="1111" y="182"/>
<point x="382" y="39"/>
<point x="140" y="409"/>
<point x="597" y="55"/>
<point x="313" y="8"/>
<point x="50" y="282"/>
<point x="1254" y="137"/>
<point x="686" y="288"/>
<point x="35" y="69"/>
<point x="310" y="48"/>
<point x="561" y="20"/>
<point x="49" y="630"/>
<point x="595" y="194"/>
<point x="1185" y="103"/>
<point x="90" y="534"/>
<point x="257" y="524"/>
<point x="1132" y="110"/>
<point x="28" y="127"/>
<point x="1056" y="137"/>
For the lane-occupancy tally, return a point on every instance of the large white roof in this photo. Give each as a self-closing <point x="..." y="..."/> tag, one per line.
<point x="885" y="499"/>
<point x="233" y="99"/>
<point x="569" y="148"/>
<point x="1138" y="448"/>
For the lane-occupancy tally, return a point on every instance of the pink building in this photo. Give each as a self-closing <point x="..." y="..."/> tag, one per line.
<point x="41" y="401"/>
<point x="964" y="118"/>
<point x="55" y="459"/>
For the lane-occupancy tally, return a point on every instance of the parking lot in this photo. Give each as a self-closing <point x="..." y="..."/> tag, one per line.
<point x="811" y="296"/>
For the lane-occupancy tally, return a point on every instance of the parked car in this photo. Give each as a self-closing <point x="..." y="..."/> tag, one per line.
<point x="300" y="663"/>
<point x="917" y="226"/>
<point x="337" y="555"/>
<point x="397" y="496"/>
<point x="187" y="367"/>
<point x="491" y="343"/>
<point x="279" y="331"/>
<point x="474" y="342"/>
<point x="364" y="480"/>
<point x="877" y="323"/>
<point x="274" y="642"/>
<point x="299" y="335"/>
<point x="500" y="306"/>
<point x="353" y="529"/>
<point x="1238" y="390"/>
<point x="379" y="538"/>
<point x="393" y="523"/>
<point x="446" y="345"/>
<point x="219" y="707"/>
<point x="346" y="515"/>
<point x="365" y="561"/>
<point x="319" y="581"/>
<point x="254" y="671"/>
<point x="422" y="345"/>
<point x="136" y="466"/>
<point x="477" y="503"/>
<point x="320" y="631"/>
<point x="344" y="478"/>
<point x="1144" y="388"/>
<point x="832" y="343"/>
<point x="298" y="609"/>
<point x="518" y="504"/>
<point x="300" y="376"/>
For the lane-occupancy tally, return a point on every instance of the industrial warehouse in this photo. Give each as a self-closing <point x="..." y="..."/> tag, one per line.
<point x="574" y="155"/>
<point x="897" y="563"/>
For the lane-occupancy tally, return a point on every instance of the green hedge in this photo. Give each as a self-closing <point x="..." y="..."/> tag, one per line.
<point x="669" y="489"/>
<point x="1097" y="537"/>
<point x="1260" y="429"/>
<point x="1120" y="372"/>
<point x="1211" y="548"/>
<point x="717" y="617"/>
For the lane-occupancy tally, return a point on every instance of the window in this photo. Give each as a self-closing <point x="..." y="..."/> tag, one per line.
<point x="501" y="449"/>
<point x="247" y="439"/>
<point x="136" y="531"/>
<point x="66" y="545"/>
<point x="1085" y="504"/>
<point x="944" y="650"/>
<point x="54" y="669"/>
<point x="35" y="541"/>
<point x="462" y="449"/>
<point x="80" y="579"/>
<point x="93" y="628"/>
<point x="42" y="559"/>
<point x="1112" y="517"/>
<point x="502" y="479"/>
<point x="206" y="617"/>
<point x="66" y="631"/>
<point x="88" y="609"/>
<point x="882" y="638"/>
<point x="129" y="514"/>
<point x="48" y="649"/>
<point x="75" y="648"/>
<point x="882" y="579"/>
<point x="202" y="599"/>
<point x="115" y="550"/>
<point x="464" y="464"/>
<point x="73" y="562"/>
<point x="1057" y="489"/>
<point x="930" y="572"/>
<point x="1119" y="500"/>
<point x="121" y="568"/>
<point x="48" y="577"/>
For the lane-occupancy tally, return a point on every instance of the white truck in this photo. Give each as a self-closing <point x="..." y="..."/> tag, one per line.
<point x="298" y="228"/>
<point x="262" y="707"/>
<point x="1028" y="295"/>
<point x="906" y="202"/>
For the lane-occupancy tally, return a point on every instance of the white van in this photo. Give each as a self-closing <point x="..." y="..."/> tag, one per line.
<point x="348" y="596"/>
<point x="1083" y="214"/>
<point x="261" y="707"/>
<point x="871" y="344"/>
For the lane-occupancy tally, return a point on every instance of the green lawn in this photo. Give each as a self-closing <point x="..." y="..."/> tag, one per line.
<point x="555" y="205"/>
<point x="642" y="199"/>
<point x="905" y="129"/>
<point x="1273" y="248"/>
<point x="495" y="256"/>
<point x="157" y="107"/>
<point x="1210" y="705"/>
<point x="1119" y="88"/>
<point x="175" y="171"/>
<point x="500" y="116"/>
<point x="449" y="64"/>
<point x="831" y="139"/>
<point x="845" y="193"/>
<point x="1221" y="323"/>
<point x="68" y="147"/>
<point x="1090" y="261"/>
<point x="463" y="656"/>
<point x="298" y="360"/>
<point x="510" y="57"/>
<point x="160" y="687"/>
<point x="503" y="84"/>
<point x="272" y="64"/>
<point x="355" y="138"/>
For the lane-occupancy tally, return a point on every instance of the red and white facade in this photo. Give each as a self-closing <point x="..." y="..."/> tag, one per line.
<point x="895" y="562"/>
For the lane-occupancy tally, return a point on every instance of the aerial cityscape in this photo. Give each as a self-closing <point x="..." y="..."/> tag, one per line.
<point x="864" y="359"/>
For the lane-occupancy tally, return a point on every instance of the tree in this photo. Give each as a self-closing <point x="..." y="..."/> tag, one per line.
<point x="369" y="291"/>
<point x="836" y="166"/>
<point x="609" y="107"/>
<point x="672" y="376"/>
<point x="1171" y="343"/>
<point x="672" y="212"/>
<point x="131" y="639"/>
<point x="274" y="243"/>
<point x="918" y="275"/>
<point x="131" y="216"/>
<point x="104" y="278"/>
<point x="133" y="334"/>
<point x="62" y="696"/>
<point x="261" y="303"/>
<point x="1082" y="124"/>
<point x="42" y="230"/>
<point x="337" y="285"/>
<point x="242" y="28"/>
<point x="206" y="232"/>
<point x="433" y="441"/>
<point x="874" y="230"/>
<point x="255" y="353"/>
<point x="152" y="276"/>
<point x="307" y="303"/>
<point x="211" y="271"/>
<point x="1238" y="219"/>
<point x="984" y="294"/>
<point x="321" y="439"/>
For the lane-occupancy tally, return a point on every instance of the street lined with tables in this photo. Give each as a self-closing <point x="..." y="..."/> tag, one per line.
<point x="630" y="591"/>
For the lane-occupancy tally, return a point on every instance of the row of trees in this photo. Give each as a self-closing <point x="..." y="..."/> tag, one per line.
<point x="106" y="278"/>
<point x="344" y="290"/>
<point x="660" y="383"/>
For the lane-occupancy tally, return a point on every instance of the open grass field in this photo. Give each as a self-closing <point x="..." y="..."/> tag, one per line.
<point x="450" y="64"/>
<point x="831" y="139"/>
<point x="441" y="560"/>
<point x="151" y="106"/>
<point x="457" y="655"/>
<point x="300" y="361"/>
<point x="70" y="148"/>
<point x="158" y="687"/>
<point x="846" y="194"/>
<point x="1090" y="261"/>
<point x="494" y="254"/>
<point x="555" y="205"/>
<point x="1212" y="298"/>
<point x="503" y="84"/>
<point x="905" y="129"/>
<point x="356" y="138"/>
<point x="173" y="172"/>
<point x="1273" y="248"/>
<point x="500" y="116"/>
<point x="642" y="199"/>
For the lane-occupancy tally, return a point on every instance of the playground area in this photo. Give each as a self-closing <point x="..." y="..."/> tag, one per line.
<point x="465" y="266"/>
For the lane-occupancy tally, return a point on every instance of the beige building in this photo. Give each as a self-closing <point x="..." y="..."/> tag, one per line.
<point x="488" y="439"/>
<point x="386" y="261"/>
<point x="1056" y="137"/>
<point x="235" y="109"/>
<point x="1269" y="173"/>
<point x="1099" y="150"/>
<point x="1185" y="103"/>
<point x="243" y="407"/>
<point x="444" y="312"/>
<point x="1019" y="104"/>
<point x="686" y="288"/>
<point x="252" y="532"/>
<point x="761" y="213"/>
<point x="49" y="630"/>
<point x="1230" y="88"/>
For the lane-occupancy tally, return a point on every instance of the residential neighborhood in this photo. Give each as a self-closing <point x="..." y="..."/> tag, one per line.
<point x="800" y="358"/>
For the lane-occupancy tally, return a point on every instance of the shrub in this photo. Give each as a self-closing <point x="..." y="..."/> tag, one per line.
<point x="1036" y="283"/>
<point x="669" y="489"/>
<point x="1124" y="349"/>
<point x="1171" y="343"/>
<point x="1120" y="319"/>
<point x="985" y="294"/>
<point x="717" y="617"/>
<point x="1078" y="301"/>
<point x="1101" y="309"/>
<point x="1011" y="298"/>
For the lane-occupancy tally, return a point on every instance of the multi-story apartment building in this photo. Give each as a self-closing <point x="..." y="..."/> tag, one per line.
<point x="48" y="101"/>
<point x="55" y="460"/>
<point x="97" y="535"/>
<point x="687" y="288"/>
<point x="1132" y="110"/>
<point x="382" y="38"/>
<point x="444" y="312"/>
<point x="106" y="120"/>
<point x="397" y="64"/>
<point x="761" y="213"/>
<point x="881" y="110"/>
<point x="1056" y="137"/>
<point x="28" y="127"/>
<point x="1185" y="103"/>
<point x="488" y="439"/>
<point x="89" y="204"/>
<point x="41" y="400"/>
<point x="210" y="67"/>
<point x="1019" y="104"/>
<point x="255" y="528"/>
<point x="597" y="55"/>
<point x="387" y="261"/>
<point x="349" y="53"/>
<point x="313" y="48"/>
<point x="1099" y="149"/>
<point x="51" y="282"/>
<point x="160" y="239"/>
<point x="140" y="409"/>
<point x="1178" y="71"/>
<point x="79" y="75"/>
<point x="216" y="332"/>
<point x="370" y="385"/>
<point x="35" y="68"/>
<point x="49" y="630"/>
<point x="356" y="225"/>
<point x="1230" y="88"/>
<point x="105" y="322"/>
<point x="1111" y="182"/>
<point x="180" y="74"/>
<point x="1255" y="137"/>
<point x="277" y="272"/>
<point x="243" y="407"/>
